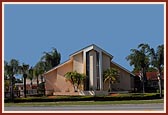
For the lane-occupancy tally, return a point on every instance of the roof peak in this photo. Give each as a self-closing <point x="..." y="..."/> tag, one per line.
<point x="94" y="47"/>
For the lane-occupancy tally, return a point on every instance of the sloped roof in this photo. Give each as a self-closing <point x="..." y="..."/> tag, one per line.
<point x="58" y="66"/>
<point x="92" y="46"/>
<point x="122" y="68"/>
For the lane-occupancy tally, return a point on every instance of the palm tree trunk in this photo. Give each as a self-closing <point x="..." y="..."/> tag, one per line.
<point x="143" y="84"/>
<point x="31" y="83"/>
<point x="37" y="84"/>
<point x="160" y="88"/>
<point x="43" y="85"/>
<point x="160" y="83"/>
<point x="109" y="86"/>
<point x="24" y="86"/>
<point x="11" y="89"/>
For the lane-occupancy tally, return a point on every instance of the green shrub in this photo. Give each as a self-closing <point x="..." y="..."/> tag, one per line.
<point x="119" y="97"/>
<point x="157" y="91"/>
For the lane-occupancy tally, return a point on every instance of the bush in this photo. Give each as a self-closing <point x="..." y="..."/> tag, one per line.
<point x="119" y="97"/>
<point x="158" y="91"/>
<point x="128" y="97"/>
<point x="150" y="90"/>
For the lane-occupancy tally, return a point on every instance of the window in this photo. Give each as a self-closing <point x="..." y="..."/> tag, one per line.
<point x="87" y="71"/>
<point x="97" y="70"/>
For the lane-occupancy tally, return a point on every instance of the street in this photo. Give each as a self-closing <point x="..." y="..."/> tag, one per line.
<point x="114" y="107"/>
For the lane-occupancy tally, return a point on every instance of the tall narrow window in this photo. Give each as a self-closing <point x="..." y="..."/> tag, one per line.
<point x="87" y="71"/>
<point x="97" y="70"/>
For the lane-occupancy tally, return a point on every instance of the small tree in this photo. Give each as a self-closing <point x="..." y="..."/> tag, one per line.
<point x="24" y="70"/>
<point x="11" y="69"/>
<point x="157" y="60"/>
<point x="75" y="78"/>
<point x="111" y="75"/>
<point x="139" y="58"/>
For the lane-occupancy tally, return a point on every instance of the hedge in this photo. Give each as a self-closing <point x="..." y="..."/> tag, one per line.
<point x="119" y="97"/>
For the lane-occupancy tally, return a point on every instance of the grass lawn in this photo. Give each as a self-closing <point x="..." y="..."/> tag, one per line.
<point x="84" y="103"/>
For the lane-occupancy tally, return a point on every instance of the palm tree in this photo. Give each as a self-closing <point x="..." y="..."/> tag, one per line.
<point x="31" y="75"/>
<point x="24" y="70"/>
<point x="6" y="85"/>
<point x="157" y="60"/>
<point x="11" y="69"/>
<point x="51" y="59"/>
<point x="111" y="75"/>
<point x="56" y="57"/>
<point x="6" y="76"/>
<point x="75" y="78"/>
<point x="36" y="73"/>
<point x="39" y="69"/>
<point x="48" y="61"/>
<point x="140" y="59"/>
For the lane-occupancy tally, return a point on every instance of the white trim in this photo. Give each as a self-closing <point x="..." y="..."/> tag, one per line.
<point x="83" y="2"/>
<point x="90" y="47"/>
<point x="3" y="16"/>
<point x="164" y="3"/>
<point x="122" y="67"/>
<point x="101" y="70"/>
<point x="86" y="49"/>
<point x="165" y="45"/>
<point x="101" y="50"/>
<point x="57" y="66"/>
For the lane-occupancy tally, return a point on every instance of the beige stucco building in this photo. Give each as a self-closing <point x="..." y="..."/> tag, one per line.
<point x="92" y="61"/>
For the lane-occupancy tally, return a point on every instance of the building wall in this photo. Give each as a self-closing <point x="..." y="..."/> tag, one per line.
<point x="105" y="65"/>
<point x="50" y="82"/>
<point x="78" y="63"/>
<point x="105" y="62"/>
<point x="56" y="82"/>
<point x="34" y="80"/>
<point x="124" y="79"/>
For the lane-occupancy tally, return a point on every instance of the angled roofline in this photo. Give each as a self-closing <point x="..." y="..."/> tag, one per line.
<point x="122" y="68"/>
<point x="79" y="51"/>
<point x="61" y="64"/>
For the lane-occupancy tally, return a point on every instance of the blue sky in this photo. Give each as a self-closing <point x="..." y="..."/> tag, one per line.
<point x="32" y="29"/>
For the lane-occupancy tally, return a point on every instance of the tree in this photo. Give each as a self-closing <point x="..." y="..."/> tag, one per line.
<point x="140" y="59"/>
<point x="51" y="59"/>
<point x="36" y="73"/>
<point x="6" y="85"/>
<point x="39" y="69"/>
<point x="31" y="75"/>
<point x="24" y="70"/>
<point x="157" y="60"/>
<point x="11" y="69"/>
<point x="75" y="78"/>
<point x="48" y="61"/>
<point x="6" y="77"/>
<point x="6" y="69"/>
<point x="111" y="75"/>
